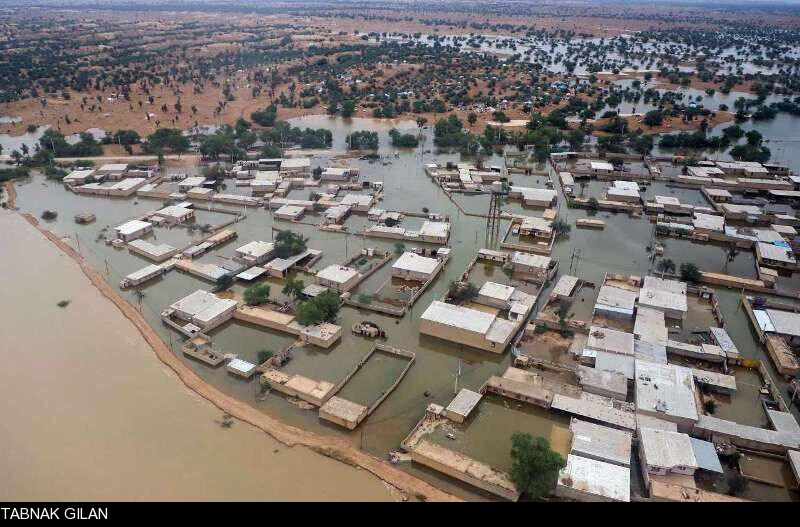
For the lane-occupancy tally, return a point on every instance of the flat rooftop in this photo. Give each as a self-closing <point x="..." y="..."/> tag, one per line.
<point x="464" y="402"/>
<point x="600" y="442"/>
<point x="665" y="388"/>
<point x="459" y="317"/>
<point x="597" y="478"/>
<point x="413" y="262"/>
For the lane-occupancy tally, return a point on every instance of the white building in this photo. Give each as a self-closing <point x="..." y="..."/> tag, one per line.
<point x="338" y="277"/>
<point x="666" y="391"/>
<point x="411" y="266"/>
<point x="467" y="326"/>
<point x="668" y="296"/>
<point x="255" y="252"/>
<point x="435" y="232"/>
<point x="203" y="310"/>
<point x="133" y="229"/>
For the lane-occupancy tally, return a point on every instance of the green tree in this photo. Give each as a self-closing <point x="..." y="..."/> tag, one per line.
<point x="535" y="467"/>
<point x="256" y="294"/>
<point x="309" y="313"/>
<point x="348" y="108"/>
<point x="288" y="244"/>
<point x="293" y="288"/>
<point x="690" y="273"/>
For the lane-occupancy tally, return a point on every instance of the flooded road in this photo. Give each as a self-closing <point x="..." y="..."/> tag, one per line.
<point x="90" y="414"/>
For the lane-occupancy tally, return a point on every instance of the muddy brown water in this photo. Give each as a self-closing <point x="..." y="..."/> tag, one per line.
<point x="90" y="414"/>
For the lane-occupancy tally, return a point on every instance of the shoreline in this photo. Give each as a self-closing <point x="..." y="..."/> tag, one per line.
<point x="288" y="435"/>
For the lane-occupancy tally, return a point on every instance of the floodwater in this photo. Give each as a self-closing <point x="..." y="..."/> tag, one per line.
<point x="90" y="414"/>
<point x="621" y="247"/>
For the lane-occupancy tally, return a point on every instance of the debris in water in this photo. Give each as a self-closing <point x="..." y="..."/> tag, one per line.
<point x="63" y="303"/>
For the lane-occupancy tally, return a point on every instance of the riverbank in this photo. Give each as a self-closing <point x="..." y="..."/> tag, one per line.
<point x="288" y="435"/>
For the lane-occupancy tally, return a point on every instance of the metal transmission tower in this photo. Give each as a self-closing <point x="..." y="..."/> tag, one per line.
<point x="493" y="219"/>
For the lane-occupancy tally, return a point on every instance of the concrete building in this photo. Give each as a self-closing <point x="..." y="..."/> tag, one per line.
<point x="650" y="326"/>
<point x="343" y="412"/>
<point x="358" y="202"/>
<point x="665" y="452"/>
<point x="601" y="167"/>
<point x="335" y="174"/>
<point x="462" y="405"/>
<point x="467" y="326"/>
<point x="615" y="302"/>
<point x="79" y="177"/>
<point x="626" y="191"/>
<point x="411" y="266"/>
<point x="668" y="296"/>
<point x="142" y="275"/>
<point x="241" y="368"/>
<point x="776" y="255"/>
<point x="584" y="479"/>
<point x="534" y="197"/>
<point x="610" y="341"/>
<point x="174" y="214"/>
<point x="190" y="183"/>
<point x="133" y="229"/>
<point x="112" y="170"/>
<point x="156" y="253"/>
<point x="536" y="227"/>
<point x="537" y="267"/>
<point x="435" y="232"/>
<point x="296" y="167"/>
<point x="255" y="252"/>
<point x="666" y="391"/>
<point x="290" y="212"/>
<point x="611" y="384"/>
<point x="600" y="443"/>
<point x="309" y="390"/>
<point x="203" y="311"/>
<point x="338" y="277"/>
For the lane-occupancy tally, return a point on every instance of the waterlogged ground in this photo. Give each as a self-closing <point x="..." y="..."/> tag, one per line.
<point x="621" y="247"/>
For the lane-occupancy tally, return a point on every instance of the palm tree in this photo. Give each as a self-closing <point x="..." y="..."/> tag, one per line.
<point x="665" y="266"/>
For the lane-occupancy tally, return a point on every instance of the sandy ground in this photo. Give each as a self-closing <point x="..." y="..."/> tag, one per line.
<point x="288" y="435"/>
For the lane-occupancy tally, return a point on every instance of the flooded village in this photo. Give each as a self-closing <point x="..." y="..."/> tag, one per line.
<point x="585" y="291"/>
<point x="467" y="314"/>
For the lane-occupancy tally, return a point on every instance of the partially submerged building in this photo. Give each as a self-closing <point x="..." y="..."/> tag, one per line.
<point x="338" y="277"/>
<point x="133" y="229"/>
<point x="414" y="267"/>
<point x="467" y="326"/>
<point x="201" y="311"/>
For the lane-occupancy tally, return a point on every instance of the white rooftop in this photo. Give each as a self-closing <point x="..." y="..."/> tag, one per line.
<point x="463" y="403"/>
<point x="600" y="442"/>
<point x="616" y="297"/>
<point x="596" y="477"/>
<point x="610" y="340"/>
<point x="337" y="273"/>
<point x="410" y="261"/>
<point x="665" y="388"/>
<point x="459" y="317"/>
<point x="132" y="227"/>
<point x="497" y="291"/>
<point x="256" y="249"/>
<point x="665" y="449"/>
<point x="437" y="229"/>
